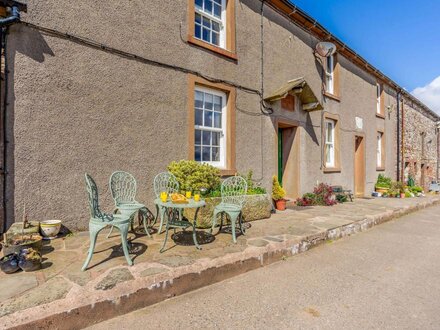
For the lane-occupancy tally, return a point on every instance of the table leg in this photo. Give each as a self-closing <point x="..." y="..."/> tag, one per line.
<point x="166" y="232"/>
<point x="194" y="230"/>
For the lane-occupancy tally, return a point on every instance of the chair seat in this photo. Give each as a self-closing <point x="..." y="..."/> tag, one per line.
<point x="117" y="219"/>
<point x="228" y="207"/>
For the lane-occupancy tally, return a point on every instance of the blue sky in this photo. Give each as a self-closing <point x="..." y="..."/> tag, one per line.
<point x="399" y="37"/>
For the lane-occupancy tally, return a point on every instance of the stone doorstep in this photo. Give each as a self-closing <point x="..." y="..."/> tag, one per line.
<point x="146" y="291"/>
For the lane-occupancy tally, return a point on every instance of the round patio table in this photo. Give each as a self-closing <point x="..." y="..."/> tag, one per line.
<point x="175" y="220"/>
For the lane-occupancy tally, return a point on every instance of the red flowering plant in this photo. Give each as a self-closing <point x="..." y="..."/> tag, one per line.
<point x="322" y="195"/>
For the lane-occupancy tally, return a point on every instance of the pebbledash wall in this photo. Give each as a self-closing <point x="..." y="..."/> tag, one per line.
<point x="75" y="109"/>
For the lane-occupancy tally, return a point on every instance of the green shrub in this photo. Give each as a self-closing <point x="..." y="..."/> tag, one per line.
<point x="322" y="195"/>
<point x="278" y="192"/>
<point x="341" y="198"/>
<point x="415" y="189"/>
<point x="383" y="181"/>
<point x="408" y="194"/>
<point x="192" y="175"/>
<point x="253" y="188"/>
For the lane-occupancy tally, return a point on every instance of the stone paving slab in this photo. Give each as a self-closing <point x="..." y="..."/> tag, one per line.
<point x="60" y="296"/>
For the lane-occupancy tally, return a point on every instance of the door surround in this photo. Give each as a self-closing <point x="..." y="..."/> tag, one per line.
<point x="359" y="165"/>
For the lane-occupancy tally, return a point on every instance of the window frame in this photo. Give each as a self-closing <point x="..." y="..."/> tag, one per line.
<point x="220" y="21"/>
<point x="334" y="92"/>
<point x="228" y="47"/>
<point x="380" y="166"/>
<point x="194" y="83"/>
<point x="332" y="157"/>
<point x="380" y="100"/>
<point x="335" y="166"/>
<point x="223" y="130"/>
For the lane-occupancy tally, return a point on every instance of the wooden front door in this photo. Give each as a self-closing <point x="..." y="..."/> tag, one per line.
<point x="359" y="166"/>
<point x="288" y="159"/>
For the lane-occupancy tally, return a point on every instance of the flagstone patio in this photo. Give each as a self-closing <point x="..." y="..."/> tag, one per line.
<point x="45" y="296"/>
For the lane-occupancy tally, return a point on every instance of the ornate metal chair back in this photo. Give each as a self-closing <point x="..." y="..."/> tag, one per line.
<point x="123" y="187"/>
<point x="92" y="191"/>
<point x="167" y="182"/>
<point x="234" y="190"/>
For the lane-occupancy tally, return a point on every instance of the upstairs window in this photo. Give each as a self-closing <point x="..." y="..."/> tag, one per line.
<point x="380" y="106"/>
<point x="330" y="75"/>
<point x="210" y="21"/>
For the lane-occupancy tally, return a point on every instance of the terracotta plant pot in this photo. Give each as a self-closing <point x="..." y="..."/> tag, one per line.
<point x="280" y="204"/>
<point x="381" y="190"/>
<point x="402" y="195"/>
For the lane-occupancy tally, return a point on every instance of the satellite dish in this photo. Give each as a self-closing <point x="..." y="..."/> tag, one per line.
<point x="325" y="49"/>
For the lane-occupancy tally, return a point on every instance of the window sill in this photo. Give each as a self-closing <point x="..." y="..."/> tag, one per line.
<point x="224" y="172"/>
<point x="332" y="170"/>
<point x="212" y="48"/>
<point x="379" y="115"/>
<point x="380" y="168"/>
<point x="332" y="96"/>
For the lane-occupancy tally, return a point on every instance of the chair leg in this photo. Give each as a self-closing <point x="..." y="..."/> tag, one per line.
<point x="110" y="232"/>
<point x="143" y="213"/>
<point x="240" y="222"/>
<point x="93" y="231"/>
<point x="124" y="233"/>
<point x="233" y="216"/>
<point x="214" y="220"/>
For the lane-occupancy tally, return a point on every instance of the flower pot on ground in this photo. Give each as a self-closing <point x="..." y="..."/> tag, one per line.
<point x="280" y="204"/>
<point x="15" y="243"/>
<point x="402" y="195"/>
<point x="9" y="263"/>
<point x="29" y="260"/>
<point x="278" y="194"/>
<point x="50" y="228"/>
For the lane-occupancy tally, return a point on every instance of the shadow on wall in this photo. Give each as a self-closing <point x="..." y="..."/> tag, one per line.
<point x="30" y="43"/>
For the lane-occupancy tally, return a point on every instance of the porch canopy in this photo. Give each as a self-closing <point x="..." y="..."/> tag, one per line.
<point x="297" y="87"/>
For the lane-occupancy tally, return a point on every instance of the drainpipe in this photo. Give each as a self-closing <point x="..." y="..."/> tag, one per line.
<point x="398" y="135"/>
<point x="14" y="17"/>
<point x="403" y="142"/>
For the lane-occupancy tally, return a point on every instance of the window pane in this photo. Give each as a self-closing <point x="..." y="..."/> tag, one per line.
<point x="199" y="117"/>
<point x="197" y="154"/>
<point x="198" y="100"/>
<point x="219" y="2"/>
<point x="198" y="31"/>
<point x="208" y="119"/>
<point x="206" y="22"/>
<point x="206" y="154"/>
<point x="198" y="136"/>
<point x="208" y="101"/>
<point x="329" y="135"/>
<point x="217" y="103"/>
<point x="206" y="35"/>
<point x="215" y="154"/>
<point x="215" y="39"/>
<point x="215" y="26"/>
<point x="208" y="6"/>
<point x="327" y="153"/>
<point x="198" y="19"/>
<point x="199" y="3"/>
<point x="215" y="138"/>
<point x="217" y="120"/>
<point x="217" y="10"/>
<point x="206" y="138"/>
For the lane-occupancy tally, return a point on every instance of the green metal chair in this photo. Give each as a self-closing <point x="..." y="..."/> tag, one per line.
<point x="123" y="189"/>
<point x="100" y="220"/>
<point x="233" y="191"/>
<point x="164" y="182"/>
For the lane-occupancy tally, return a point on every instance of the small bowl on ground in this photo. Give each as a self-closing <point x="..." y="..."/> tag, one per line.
<point x="50" y="228"/>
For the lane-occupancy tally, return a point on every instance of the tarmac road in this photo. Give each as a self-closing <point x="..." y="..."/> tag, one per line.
<point x="386" y="278"/>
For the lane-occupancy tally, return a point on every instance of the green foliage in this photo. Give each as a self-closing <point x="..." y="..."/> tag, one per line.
<point x="253" y="188"/>
<point x="193" y="175"/>
<point x="415" y="189"/>
<point x="341" y="198"/>
<point x="277" y="191"/>
<point x="408" y="194"/>
<point x="322" y="195"/>
<point x="398" y="187"/>
<point x="383" y="181"/>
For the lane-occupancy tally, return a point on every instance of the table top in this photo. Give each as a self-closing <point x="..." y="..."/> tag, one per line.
<point x="191" y="204"/>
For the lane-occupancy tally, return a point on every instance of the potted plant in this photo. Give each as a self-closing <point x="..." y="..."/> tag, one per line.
<point x="383" y="184"/>
<point x="29" y="260"/>
<point x="17" y="242"/>
<point x="278" y="194"/>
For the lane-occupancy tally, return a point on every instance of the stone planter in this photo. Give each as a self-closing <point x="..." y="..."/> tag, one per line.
<point x="256" y="207"/>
